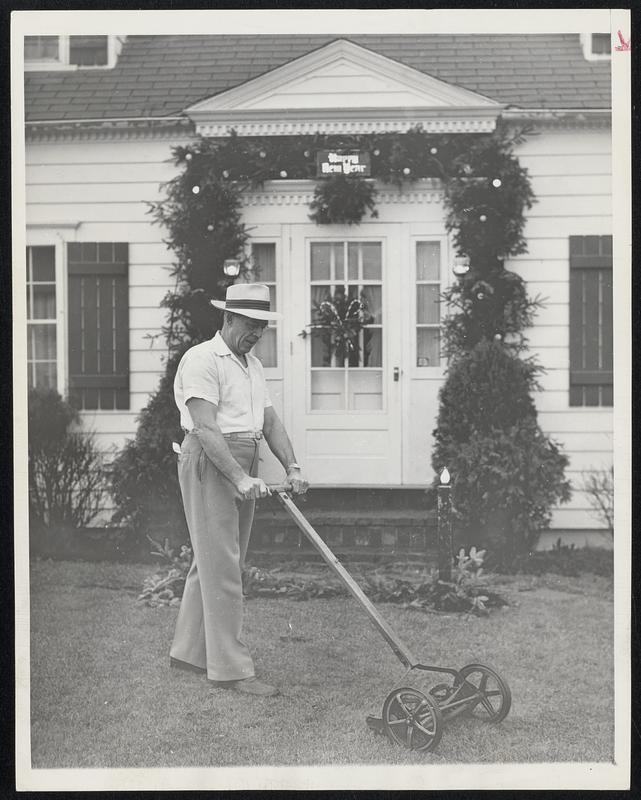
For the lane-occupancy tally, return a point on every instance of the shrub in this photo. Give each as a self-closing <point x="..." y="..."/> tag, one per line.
<point x="66" y="478"/>
<point x="598" y="485"/>
<point x="565" y="560"/>
<point x="144" y="479"/>
<point x="507" y="473"/>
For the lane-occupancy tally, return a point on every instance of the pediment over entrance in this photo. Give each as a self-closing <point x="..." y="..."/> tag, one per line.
<point x="343" y="88"/>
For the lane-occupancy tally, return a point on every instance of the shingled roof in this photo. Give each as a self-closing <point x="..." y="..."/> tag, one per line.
<point x="159" y="76"/>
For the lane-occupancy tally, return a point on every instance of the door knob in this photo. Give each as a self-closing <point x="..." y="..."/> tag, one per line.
<point x="397" y="373"/>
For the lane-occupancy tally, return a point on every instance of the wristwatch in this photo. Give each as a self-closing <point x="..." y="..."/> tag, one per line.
<point x="292" y="466"/>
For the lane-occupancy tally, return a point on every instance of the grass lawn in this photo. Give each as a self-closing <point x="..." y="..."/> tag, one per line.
<point x="103" y="694"/>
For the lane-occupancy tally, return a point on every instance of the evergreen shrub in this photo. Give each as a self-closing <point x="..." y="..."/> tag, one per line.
<point x="144" y="480"/>
<point x="66" y="478"/>
<point x="507" y="475"/>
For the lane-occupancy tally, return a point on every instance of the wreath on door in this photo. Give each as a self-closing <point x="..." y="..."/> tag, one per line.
<point x="338" y="320"/>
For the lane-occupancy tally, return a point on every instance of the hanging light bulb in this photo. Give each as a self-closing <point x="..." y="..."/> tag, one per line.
<point x="406" y="170"/>
<point x="283" y="173"/>
<point x="188" y="157"/>
<point x="231" y="267"/>
<point x="263" y="154"/>
<point x="210" y="227"/>
<point x="496" y="183"/>
<point x="483" y="218"/>
<point x="433" y="150"/>
<point x="225" y="173"/>
<point x="195" y="189"/>
<point x="445" y="476"/>
<point x="377" y="152"/>
<point x="307" y="154"/>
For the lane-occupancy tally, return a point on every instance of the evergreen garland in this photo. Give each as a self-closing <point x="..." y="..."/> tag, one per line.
<point x="486" y="194"/>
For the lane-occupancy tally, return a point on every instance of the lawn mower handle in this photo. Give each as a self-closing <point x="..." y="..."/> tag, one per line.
<point x="400" y="649"/>
<point x="279" y="487"/>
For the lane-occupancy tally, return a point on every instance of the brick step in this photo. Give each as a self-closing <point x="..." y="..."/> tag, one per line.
<point x="395" y="531"/>
<point x="370" y="499"/>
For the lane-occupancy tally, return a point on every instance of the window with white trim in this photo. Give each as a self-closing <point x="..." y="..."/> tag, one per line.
<point x="71" y="52"/>
<point x="41" y="317"/>
<point x="596" y="46"/>
<point x="95" y="372"/>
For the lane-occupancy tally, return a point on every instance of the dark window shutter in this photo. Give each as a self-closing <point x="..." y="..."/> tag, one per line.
<point x="591" y="321"/>
<point x="98" y="324"/>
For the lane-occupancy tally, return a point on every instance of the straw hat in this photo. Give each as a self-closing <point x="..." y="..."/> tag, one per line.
<point x="249" y="300"/>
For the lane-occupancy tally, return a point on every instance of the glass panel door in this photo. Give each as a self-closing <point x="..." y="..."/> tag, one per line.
<point x="346" y="309"/>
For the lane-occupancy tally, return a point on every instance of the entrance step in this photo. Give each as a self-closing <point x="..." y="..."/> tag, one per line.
<point x="361" y="524"/>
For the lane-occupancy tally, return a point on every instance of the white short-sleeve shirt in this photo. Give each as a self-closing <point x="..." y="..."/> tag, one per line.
<point x="210" y="371"/>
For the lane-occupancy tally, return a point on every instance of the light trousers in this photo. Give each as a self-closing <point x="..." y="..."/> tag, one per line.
<point x="209" y="626"/>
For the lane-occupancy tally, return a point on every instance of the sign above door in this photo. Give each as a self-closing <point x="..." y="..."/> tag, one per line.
<point x="341" y="162"/>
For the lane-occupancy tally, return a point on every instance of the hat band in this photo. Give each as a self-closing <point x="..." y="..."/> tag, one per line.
<point x="258" y="305"/>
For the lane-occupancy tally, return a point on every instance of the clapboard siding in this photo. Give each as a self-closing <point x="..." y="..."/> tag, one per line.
<point x="104" y="187"/>
<point x="570" y="173"/>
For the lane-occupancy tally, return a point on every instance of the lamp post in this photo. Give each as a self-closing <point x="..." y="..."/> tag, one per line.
<point x="444" y="525"/>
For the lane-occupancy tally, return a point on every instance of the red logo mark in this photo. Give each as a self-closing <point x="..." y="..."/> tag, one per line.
<point x="624" y="45"/>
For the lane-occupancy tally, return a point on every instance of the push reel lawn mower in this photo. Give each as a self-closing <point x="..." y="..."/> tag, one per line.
<point x="413" y="718"/>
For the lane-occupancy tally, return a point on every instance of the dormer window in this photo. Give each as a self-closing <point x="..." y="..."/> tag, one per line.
<point x="89" y="51"/>
<point x="71" y="52"/>
<point x="596" y="46"/>
<point x="600" y="44"/>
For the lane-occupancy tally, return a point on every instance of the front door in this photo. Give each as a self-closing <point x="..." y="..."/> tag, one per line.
<point x="346" y="388"/>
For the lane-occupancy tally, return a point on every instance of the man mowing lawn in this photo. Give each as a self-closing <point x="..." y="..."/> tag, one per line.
<point x="225" y="411"/>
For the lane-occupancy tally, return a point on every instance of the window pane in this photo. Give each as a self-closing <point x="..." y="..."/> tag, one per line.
<point x="264" y="257"/>
<point x="321" y="350"/>
<point x="365" y="390"/>
<point x="352" y="261"/>
<point x="42" y="342"/>
<point x="600" y="44"/>
<point x="328" y="390"/>
<point x="427" y="347"/>
<point x="43" y="263"/>
<point x="372" y="297"/>
<point x="428" y="261"/>
<point x="372" y="265"/>
<point x="320" y="256"/>
<point x="88" y="51"/>
<point x="427" y="303"/>
<point x="372" y="347"/>
<point x="339" y="261"/>
<point x="38" y="48"/>
<point x="44" y="302"/>
<point x="265" y="348"/>
<point x="43" y="376"/>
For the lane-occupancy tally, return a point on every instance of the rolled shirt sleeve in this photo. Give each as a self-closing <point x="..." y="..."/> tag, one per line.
<point x="200" y="379"/>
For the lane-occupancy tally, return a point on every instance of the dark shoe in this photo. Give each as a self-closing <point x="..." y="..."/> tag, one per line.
<point x="178" y="664"/>
<point x="249" y="686"/>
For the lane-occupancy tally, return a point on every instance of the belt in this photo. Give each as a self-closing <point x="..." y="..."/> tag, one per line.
<point x="256" y="435"/>
<point x="244" y="435"/>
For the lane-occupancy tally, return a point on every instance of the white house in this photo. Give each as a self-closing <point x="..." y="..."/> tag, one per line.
<point x="102" y="113"/>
